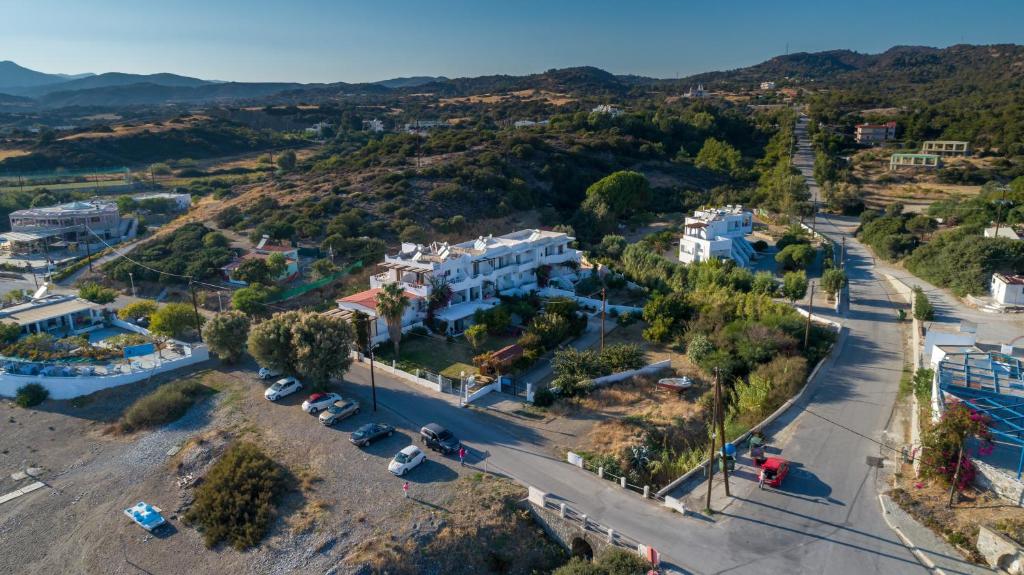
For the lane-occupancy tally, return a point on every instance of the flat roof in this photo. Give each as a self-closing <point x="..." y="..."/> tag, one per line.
<point x="906" y="155"/>
<point x="69" y="209"/>
<point x="30" y="236"/>
<point x="27" y="314"/>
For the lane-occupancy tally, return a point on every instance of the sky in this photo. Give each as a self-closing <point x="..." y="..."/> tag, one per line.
<point x="349" y="41"/>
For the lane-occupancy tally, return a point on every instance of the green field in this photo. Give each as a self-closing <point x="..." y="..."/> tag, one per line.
<point x="437" y="355"/>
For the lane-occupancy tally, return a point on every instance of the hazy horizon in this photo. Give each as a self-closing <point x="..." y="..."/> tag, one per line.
<point x="318" y="41"/>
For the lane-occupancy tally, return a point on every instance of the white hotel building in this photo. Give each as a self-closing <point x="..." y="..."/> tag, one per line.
<point x="478" y="270"/>
<point x="717" y="233"/>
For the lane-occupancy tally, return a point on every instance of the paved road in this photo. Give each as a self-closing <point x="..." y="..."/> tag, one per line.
<point x="826" y="520"/>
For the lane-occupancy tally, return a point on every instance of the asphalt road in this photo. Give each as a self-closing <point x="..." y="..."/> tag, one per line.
<point x="825" y="520"/>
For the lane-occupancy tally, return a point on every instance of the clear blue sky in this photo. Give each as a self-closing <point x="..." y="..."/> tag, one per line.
<point x="353" y="41"/>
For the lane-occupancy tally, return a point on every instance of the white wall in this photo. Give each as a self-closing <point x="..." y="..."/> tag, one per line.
<point x="70" y="387"/>
<point x="622" y="375"/>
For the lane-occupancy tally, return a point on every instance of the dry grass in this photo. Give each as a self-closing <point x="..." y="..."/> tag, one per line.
<point x="384" y="554"/>
<point x="309" y="516"/>
<point x="129" y="130"/>
<point x="532" y="95"/>
<point x="4" y="154"/>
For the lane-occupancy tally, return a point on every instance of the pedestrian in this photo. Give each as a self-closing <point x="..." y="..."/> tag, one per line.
<point x="462" y="456"/>
<point x="405" y="489"/>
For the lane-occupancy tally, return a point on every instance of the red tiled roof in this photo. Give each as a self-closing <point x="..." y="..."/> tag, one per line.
<point x="368" y="298"/>
<point x="1012" y="279"/>
<point x="249" y="256"/>
<point x="270" y="248"/>
<point x="508" y="353"/>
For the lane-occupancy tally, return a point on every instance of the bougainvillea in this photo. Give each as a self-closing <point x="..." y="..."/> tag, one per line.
<point x="942" y="441"/>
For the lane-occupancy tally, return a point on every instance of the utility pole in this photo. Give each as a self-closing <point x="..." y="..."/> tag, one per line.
<point x="131" y="278"/>
<point x="842" y="255"/>
<point x="711" y="451"/>
<point x="721" y="429"/>
<point x="956" y="472"/>
<point x="810" y="311"/>
<point x="604" y="302"/>
<point x="369" y="349"/>
<point x="88" y="250"/>
<point x="32" y="270"/>
<point x="220" y="302"/>
<point x="195" y="308"/>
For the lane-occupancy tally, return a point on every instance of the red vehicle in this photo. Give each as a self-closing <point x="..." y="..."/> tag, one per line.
<point x="773" y="472"/>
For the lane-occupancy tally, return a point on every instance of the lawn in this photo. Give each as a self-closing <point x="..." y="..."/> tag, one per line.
<point x="437" y="355"/>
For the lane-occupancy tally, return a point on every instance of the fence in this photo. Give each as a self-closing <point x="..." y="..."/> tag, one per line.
<point x="308" y="287"/>
<point x="578" y="460"/>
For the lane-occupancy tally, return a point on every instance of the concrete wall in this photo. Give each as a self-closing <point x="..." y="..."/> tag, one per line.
<point x="623" y="375"/>
<point x="433" y="386"/>
<point x="566" y="531"/>
<point x="999" y="482"/>
<point x="70" y="387"/>
<point x="1000" y="552"/>
<point x="484" y="391"/>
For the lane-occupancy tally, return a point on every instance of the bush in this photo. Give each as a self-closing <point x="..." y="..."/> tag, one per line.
<point x="923" y="310"/>
<point x="795" y="257"/>
<point x="621" y="357"/>
<point x="236" y="501"/>
<point x="165" y="404"/>
<point x="226" y="334"/>
<point x="833" y="281"/>
<point x="9" y="331"/>
<point x="96" y="293"/>
<point x="543" y="397"/>
<point x="31" y="395"/>
<point x="138" y="309"/>
<point x="616" y="561"/>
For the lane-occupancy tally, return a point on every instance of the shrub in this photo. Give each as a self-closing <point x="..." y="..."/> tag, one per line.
<point x="31" y="395"/>
<point x="236" y="501"/>
<point x="941" y="444"/>
<point x="832" y="281"/>
<point x="165" y="404"/>
<point x="96" y="293"/>
<point x="764" y="283"/>
<point x="621" y="357"/>
<point x="923" y="310"/>
<point x="795" y="257"/>
<point x="794" y="285"/>
<point x="174" y="319"/>
<point x="138" y="309"/>
<point x="543" y="397"/>
<point x="616" y="561"/>
<point x="574" y="368"/>
<point x="9" y="331"/>
<point x="226" y="334"/>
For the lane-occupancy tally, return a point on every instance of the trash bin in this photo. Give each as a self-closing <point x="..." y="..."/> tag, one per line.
<point x="728" y="461"/>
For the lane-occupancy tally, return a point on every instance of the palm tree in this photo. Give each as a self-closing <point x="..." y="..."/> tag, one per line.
<point x="391" y="304"/>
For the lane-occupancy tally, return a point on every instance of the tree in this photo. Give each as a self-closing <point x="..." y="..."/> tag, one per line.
<point x="277" y="265"/>
<point x="832" y="281"/>
<point x="476" y="335"/>
<point x="574" y="368"/>
<point x="96" y="293"/>
<point x="921" y="225"/>
<point x="138" y="309"/>
<point x="9" y="331"/>
<point x="625" y="193"/>
<point x="699" y="348"/>
<point x="666" y="316"/>
<point x="160" y="169"/>
<point x="795" y="257"/>
<point x="226" y="334"/>
<point x="322" y="346"/>
<point x="323" y="268"/>
<point x="794" y="285"/>
<point x="579" y="566"/>
<point x="254" y="271"/>
<point x="174" y="320"/>
<point x="391" y="304"/>
<point x="612" y="246"/>
<point x="215" y="240"/>
<point x="764" y="283"/>
<point x="270" y="342"/>
<point x="250" y="300"/>
<point x="718" y="156"/>
<point x="941" y="454"/>
<point x="286" y="161"/>
<point x="844" y="197"/>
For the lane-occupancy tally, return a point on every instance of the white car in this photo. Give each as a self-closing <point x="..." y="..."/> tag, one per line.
<point x="284" y="386"/>
<point x="267" y="373"/>
<point x="405" y="460"/>
<point x="319" y="402"/>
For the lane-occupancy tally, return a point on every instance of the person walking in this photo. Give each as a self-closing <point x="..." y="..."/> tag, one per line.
<point x="405" y="489"/>
<point x="462" y="455"/>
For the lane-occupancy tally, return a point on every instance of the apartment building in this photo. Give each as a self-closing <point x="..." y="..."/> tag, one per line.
<point x="875" y="133"/>
<point x="768" y="85"/>
<point x="607" y="109"/>
<point x="717" y="233"/>
<point x="69" y="221"/>
<point x="477" y="271"/>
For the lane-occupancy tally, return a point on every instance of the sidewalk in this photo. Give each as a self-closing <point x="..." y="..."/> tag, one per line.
<point x="934" y="552"/>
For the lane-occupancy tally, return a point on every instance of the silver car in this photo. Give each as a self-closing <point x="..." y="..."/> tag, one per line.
<point x="340" y="410"/>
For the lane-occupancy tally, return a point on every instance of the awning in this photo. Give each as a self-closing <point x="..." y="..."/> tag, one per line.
<point x="462" y="310"/>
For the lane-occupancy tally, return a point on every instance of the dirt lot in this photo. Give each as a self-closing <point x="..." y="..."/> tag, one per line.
<point x="343" y="503"/>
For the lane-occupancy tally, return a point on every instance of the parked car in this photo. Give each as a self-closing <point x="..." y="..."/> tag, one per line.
<point x="319" y="402"/>
<point x="340" y="410"/>
<point x="406" y="459"/>
<point x="284" y="386"/>
<point x="773" y="472"/>
<point x="439" y="439"/>
<point x="267" y="373"/>
<point x="370" y="432"/>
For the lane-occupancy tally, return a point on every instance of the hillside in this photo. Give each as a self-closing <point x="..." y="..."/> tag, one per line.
<point x="13" y="76"/>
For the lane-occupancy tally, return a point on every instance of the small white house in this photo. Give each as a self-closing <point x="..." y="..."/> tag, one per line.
<point x="717" y="233"/>
<point x="1008" y="289"/>
<point x="182" y="202"/>
<point x="608" y="110"/>
<point x="365" y="302"/>
<point x="768" y="85"/>
<point x="374" y="125"/>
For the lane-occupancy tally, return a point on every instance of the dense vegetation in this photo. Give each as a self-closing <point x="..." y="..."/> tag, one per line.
<point x="182" y="252"/>
<point x="165" y="404"/>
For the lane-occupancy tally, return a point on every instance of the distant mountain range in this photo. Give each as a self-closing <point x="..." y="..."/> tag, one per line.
<point x="901" y="66"/>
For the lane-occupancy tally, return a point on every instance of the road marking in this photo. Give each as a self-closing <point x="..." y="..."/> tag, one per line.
<point x="23" y="491"/>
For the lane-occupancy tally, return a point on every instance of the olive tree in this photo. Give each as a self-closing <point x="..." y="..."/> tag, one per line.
<point x="226" y="334"/>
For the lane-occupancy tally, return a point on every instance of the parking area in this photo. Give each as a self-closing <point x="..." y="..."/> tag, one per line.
<point x="344" y="496"/>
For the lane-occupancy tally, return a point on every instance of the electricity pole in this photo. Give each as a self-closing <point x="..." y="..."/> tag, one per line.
<point x="711" y="451"/>
<point x="131" y="278"/>
<point x="721" y="429"/>
<point x="999" y="210"/>
<point x="842" y="255"/>
<point x="810" y="311"/>
<point x="604" y="301"/>
<point x="195" y="308"/>
<point x="369" y="348"/>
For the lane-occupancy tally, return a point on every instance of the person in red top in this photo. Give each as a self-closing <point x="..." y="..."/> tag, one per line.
<point x="405" y="489"/>
<point x="462" y="456"/>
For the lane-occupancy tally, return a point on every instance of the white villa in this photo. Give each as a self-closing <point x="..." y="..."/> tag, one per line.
<point x="365" y="302"/>
<point x="718" y="233"/>
<point x="768" y="85"/>
<point x="373" y="125"/>
<point x="607" y="109"/>
<point x="60" y="315"/>
<point x="476" y="271"/>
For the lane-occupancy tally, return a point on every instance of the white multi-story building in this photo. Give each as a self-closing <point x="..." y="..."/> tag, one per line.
<point x="374" y="125"/>
<point x="607" y="109"/>
<point x="478" y="270"/>
<point x="73" y="222"/>
<point x="875" y="133"/>
<point x="717" y="233"/>
<point x="768" y="85"/>
<point x="697" y="92"/>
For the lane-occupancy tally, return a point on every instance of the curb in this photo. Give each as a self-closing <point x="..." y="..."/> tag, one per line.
<point x="914" y="550"/>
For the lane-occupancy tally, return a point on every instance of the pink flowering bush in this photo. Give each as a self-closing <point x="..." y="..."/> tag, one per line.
<point x="941" y="445"/>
